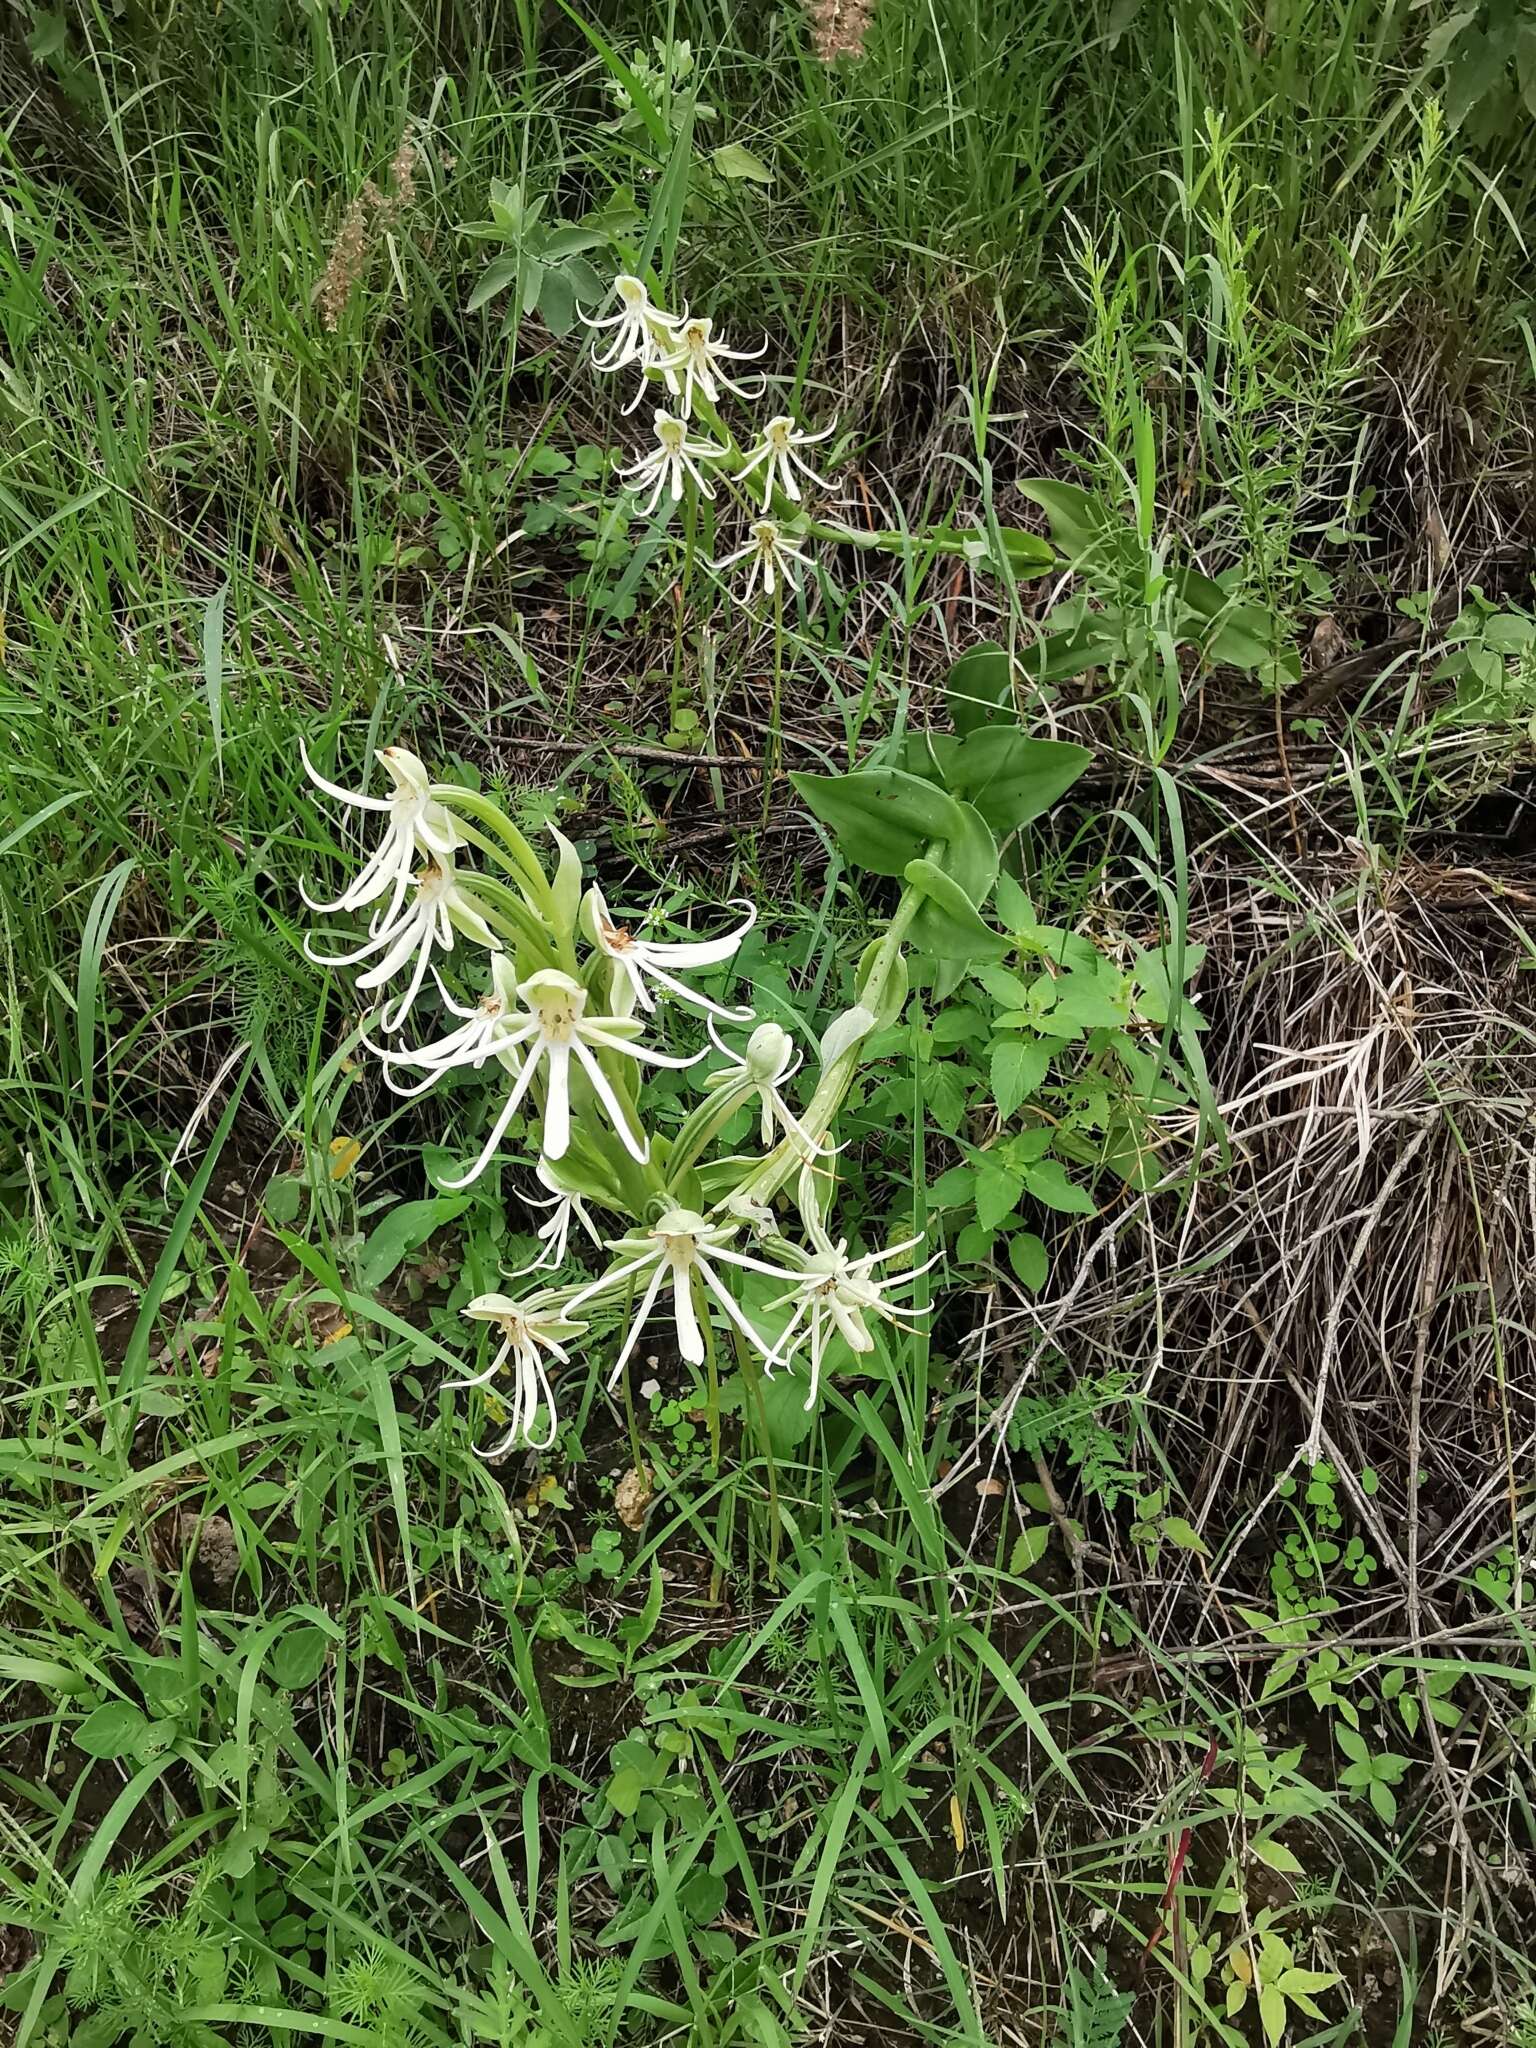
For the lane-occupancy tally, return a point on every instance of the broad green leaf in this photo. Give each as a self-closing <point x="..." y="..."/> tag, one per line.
<point x="1272" y="2013"/>
<point x="498" y="276"/>
<point x="731" y="160"/>
<point x="624" y="1790"/>
<point x="1029" y="1547"/>
<point x="1019" y="1065"/>
<point x="1277" y="1856"/>
<point x="880" y="817"/>
<point x="298" y="1657"/>
<point x="1011" y="777"/>
<point x="1047" y="1182"/>
<point x="998" y="1189"/>
<point x="112" y="1730"/>
<point x="402" y="1231"/>
<point x="1184" y="1536"/>
<point x="1027" y="1256"/>
<point x="979" y="691"/>
<point x="953" y="928"/>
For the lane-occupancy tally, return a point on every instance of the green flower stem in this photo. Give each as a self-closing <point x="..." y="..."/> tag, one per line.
<point x="524" y="862"/>
<point x="515" y="918"/>
<point x="702" y="1127"/>
<point x="821" y="1111"/>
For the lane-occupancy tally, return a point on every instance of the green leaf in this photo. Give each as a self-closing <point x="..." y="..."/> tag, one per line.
<point x="979" y="691"/>
<point x="1182" y="1535"/>
<point x="953" y="929"/>
<point x="973" y="1247"/>
<point x="402" y="1231"/>
<point x="1353" y="1745"/>
<point x="998" y="1189"/>
<point x="498" y="276"/>
<point x="1272" y="2013"/>
<point x="1029" y="1547"/>
<point x="1047" y="1182"/>
<point x="112" y="1730"/>
<point x="1302" y="1983"/>
<point x="1277" y="1856"/>
<point x="624" y="1790"/>
<point x="1019" y="1065"/>
<point x="1027" y="1256"/>
<point x="731" y="160"/>
<point x="1011" y="777"/>
<point x="298" y="1657"/>
<point x="881" y="818"/>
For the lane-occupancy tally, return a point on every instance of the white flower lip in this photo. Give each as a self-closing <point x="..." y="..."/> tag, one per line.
<point x="772" y="554"/>
<point x="418" y="825"/>
<point x="531" y="1327"/>
<point x="639" y="961"/>
<point x="768" y="1062"/>
<point x="412" y="933"/>
<point x="675" y="456"/>
<point x="550" y="1030"/>
<point x="835" y="1294"/>
<point x="677" y="1246"/>
<point x="778" y="456"/>
<point x="696" y="363"/>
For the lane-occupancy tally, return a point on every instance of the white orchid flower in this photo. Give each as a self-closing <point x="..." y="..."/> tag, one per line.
<point x="555" y="1235"/>
<point x="413" y="932"/>
<point x="548" y="1032"/>
<point x="474" y="1042"/>
<point x="696" y="362"/>
<point x="638" y="961"/>
<point x="768" y="1062"/>
<point x="833" y="1296"/>
<point x="675" y="1249"/>
<point x="779" y="450"/>
<point x="772" y="554"/>
<point x="531" y="1328"/>
<point x="643" y="333"/>
<point x="418" y="824"/>
<point x="674" y="457"/>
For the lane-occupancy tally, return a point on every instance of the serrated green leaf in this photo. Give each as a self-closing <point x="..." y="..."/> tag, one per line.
<point x="1182" y="1535"/>
<point x="998" y="1189"/>
<point x="1029" y="1547"/>
<point x="1018" y="1067"/>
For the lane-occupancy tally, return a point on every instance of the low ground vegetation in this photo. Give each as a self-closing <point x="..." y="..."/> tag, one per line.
<point x="933" y="1444"/>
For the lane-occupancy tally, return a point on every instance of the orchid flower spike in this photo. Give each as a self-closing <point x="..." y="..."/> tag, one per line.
<point x="555" y="1235"/>
<point x="412" y="932"/>
<point x="531" y="1329"/>
<point x="673" y="457"/>
<point x="638" y="962"/>
<point x="768" y="1062"/>
<point x="678" y="1247"/>
<point x="644" y="333"/>
<point x="549" y="1032"/>
<point x="771" y="553"/>
<point x="418" y="824"/>
<point x="695" y="363"/>
<point x="834" y="1295"/>
<point x="779" y="451"/>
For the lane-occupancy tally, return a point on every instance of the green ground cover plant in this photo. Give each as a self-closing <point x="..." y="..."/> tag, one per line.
<point x="765" y="900"/>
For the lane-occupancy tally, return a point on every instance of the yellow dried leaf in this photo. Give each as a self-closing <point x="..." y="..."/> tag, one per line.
<point x="957" y="1823"/>
<point x="345" y="1153"/>
<point x="335" y="1336"/>
<point x="1242" y="1966"/>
